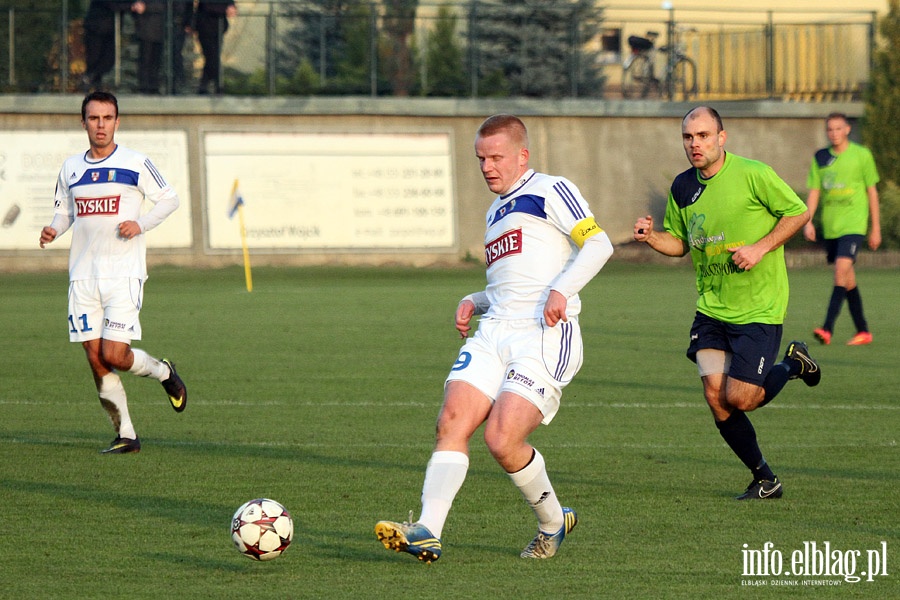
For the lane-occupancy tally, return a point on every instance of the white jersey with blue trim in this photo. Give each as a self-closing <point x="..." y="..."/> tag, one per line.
<point x="528" y="243"/>
<point x="95" y="196"/>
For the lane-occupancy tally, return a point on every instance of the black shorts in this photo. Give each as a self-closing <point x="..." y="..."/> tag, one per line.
<point x="846" y="246"/>
<point x="754" y="347"/>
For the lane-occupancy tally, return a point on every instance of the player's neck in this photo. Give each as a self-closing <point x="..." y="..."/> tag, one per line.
<point x="838" y="148"/>
<point x="101" y="152"/>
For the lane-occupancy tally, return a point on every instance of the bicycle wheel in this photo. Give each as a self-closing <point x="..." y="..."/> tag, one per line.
<point x="683" y="83"/>
<point x="637" y="79"/>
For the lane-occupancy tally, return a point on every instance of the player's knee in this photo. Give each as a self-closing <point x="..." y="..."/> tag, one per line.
<point x="742" y="404"/>
<point x="500" y="450"/>
<point x="500" y="444"/>
<point x="746" y="402"/>
<point x="117" y="358"/>
<point x="493" y="439"/>
<point x="452" y="431"/>
<point x="716" y="400"/>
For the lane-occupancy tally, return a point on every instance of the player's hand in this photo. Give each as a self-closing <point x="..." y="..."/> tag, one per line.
<point x="464" y="313"/>
<point x="809" y="231"/>
<point x="138" y="7"/>
<point x="129" y="229"/>
<point x="555" y="309"/>
<point x="48" y="234"/>
<point x="746" y="257"/>
<point x="874" y="240"/>
<point x="643" y="228"/>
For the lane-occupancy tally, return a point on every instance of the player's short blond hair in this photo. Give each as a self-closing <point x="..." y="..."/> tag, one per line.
<point x="511" y="125"/>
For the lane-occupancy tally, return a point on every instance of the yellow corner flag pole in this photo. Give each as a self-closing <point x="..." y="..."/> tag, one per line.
<point x="240" y="209"/>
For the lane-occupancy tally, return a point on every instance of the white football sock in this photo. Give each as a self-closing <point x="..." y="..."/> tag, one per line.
<point x="112" y="397"/>
<point x="444" y="476"/>
<point x="535" y="485"/>
<point x="145" y="365"/>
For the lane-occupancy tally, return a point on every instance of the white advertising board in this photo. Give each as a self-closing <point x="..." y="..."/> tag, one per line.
<point x="331" y="190"/>
<point x="29" y="167"/>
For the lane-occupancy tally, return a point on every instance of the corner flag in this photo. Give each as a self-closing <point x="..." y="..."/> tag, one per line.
<point x="237" y="206"/>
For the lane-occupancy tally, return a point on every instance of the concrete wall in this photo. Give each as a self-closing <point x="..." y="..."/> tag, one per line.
<point x="622" y="155"/>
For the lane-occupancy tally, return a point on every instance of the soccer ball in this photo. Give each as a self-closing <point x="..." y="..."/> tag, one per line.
<point x="262" y="529"/>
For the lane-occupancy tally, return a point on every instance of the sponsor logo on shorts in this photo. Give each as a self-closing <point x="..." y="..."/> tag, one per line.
<point x="113" y="325"/>
<point x="520" y="379"/>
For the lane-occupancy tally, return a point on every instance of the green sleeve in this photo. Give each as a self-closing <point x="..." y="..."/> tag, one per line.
<point x="674" y="223"/>
<point x="870" y="172"/>
<point x="813" y="180"/>
<point x="777" y="195"/>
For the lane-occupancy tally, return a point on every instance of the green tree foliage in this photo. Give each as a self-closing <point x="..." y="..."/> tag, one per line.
<point x="535" y="48"/>
<point x="37" y="42"/>
<point x="444" y="57"/>
<point x="882" y="122"/>
<point x="352" y="71"/>
<point x="331" y="37"/>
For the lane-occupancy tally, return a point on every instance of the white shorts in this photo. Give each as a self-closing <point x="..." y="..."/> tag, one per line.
<point x="105" y="308"/>
<point x="524" y="357"/>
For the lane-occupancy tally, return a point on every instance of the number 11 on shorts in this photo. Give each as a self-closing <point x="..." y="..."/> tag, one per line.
<point x="84" y="324"/>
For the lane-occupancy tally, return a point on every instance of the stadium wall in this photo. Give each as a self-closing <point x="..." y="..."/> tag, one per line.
<point x="621" y="154"/>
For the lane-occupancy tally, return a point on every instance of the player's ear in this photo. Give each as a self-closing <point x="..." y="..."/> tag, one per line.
<point x="722" y="137"/>
<point x="524" y="156"/>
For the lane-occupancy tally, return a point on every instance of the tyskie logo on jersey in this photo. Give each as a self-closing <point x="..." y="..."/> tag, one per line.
<point x="86" y="207"/>
<point x="508" y="243"/>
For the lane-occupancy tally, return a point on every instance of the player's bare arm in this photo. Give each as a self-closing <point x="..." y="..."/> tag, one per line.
<point x="875" y="216"/>
<point x="812" y="203"/>
<point x="661" y="241"/>
<point x="555" y="309"/>
<point x="464" y="313"/>
<point x="747" y="257"/>
<point x="48" y="234"/>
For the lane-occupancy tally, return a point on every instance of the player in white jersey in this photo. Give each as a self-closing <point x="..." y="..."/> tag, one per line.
<point x="542" y="246"/>
<point x="99" y="195"/>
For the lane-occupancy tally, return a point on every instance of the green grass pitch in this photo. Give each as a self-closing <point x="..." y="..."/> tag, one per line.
<point x="320" y="389"/>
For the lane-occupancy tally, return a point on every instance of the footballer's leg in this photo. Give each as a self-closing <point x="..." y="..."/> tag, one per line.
<point x="163" y="371"/>
<point x="736" y="429"/>
<point x="510" y="423"/>
<point x="124" y="299"/>
<point x="463" y="411"/>
<point x="114" y="401"/>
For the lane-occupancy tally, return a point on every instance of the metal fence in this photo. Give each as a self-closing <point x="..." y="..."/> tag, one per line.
<point x="285" y="47"/>
<point x="739" y="53"/>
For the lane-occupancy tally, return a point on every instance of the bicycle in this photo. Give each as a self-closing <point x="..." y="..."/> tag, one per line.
<point x="639" y="71"/>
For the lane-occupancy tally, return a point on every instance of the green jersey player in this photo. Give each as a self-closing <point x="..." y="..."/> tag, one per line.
<point x="734" y="215"/>
<point x="842" y="180"/>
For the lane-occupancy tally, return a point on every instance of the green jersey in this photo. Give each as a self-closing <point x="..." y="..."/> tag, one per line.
<point x="736" y="207"/>
<point x="844" y="180"/>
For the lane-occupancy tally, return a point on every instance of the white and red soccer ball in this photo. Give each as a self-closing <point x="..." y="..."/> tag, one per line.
<point x="262" y="529"/>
